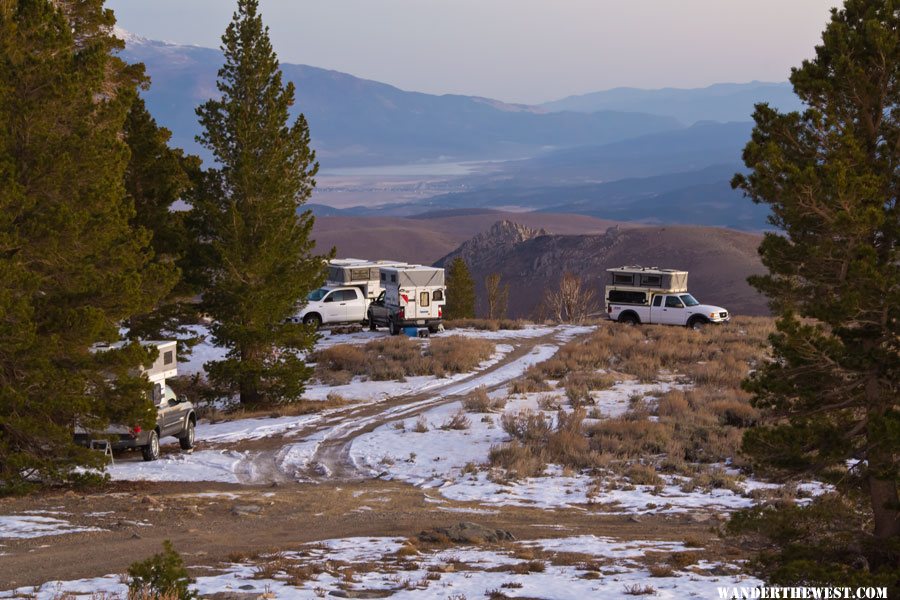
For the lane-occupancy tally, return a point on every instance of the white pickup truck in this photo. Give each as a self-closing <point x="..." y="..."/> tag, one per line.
<point x="345" y="304"/>
<point x="652" y="295"/>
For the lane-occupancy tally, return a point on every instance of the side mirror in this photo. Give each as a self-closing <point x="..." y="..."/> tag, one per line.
<point x="174" y="401"/>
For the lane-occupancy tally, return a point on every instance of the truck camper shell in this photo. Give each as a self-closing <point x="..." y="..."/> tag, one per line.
<point x="361" y="273"/>
<point x="648" y="278"/>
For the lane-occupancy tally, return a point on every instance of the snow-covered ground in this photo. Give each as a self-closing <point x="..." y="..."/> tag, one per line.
<point x="225" y="466"/>
<point x="607" y="568"/>
<point x="32" y="525"/>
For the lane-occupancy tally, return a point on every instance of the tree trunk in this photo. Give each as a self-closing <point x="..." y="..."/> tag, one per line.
<point x="884" y="496"/>
<point x="882" y="482"/>
<point x="249" y="386"/>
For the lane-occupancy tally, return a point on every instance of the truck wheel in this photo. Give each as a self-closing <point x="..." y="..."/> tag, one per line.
<point x="394" y="328"/>
<point x="313" y="319"/>
<point x="151" y="450"/>
<point x="629" y="319"/>
<point x="697" y="323"/>
<point x="186" y="441"/>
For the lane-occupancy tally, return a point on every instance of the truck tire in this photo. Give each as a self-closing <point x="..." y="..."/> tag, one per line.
<point x="186" y="441"/>
<point x="697" y="323"/>
<point x="629" y="319"/>
<point x="313" y="319"/>
<point x="151" y="450"/>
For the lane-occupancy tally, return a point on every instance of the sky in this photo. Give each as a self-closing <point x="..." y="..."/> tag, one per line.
<point x="527" y="51"/>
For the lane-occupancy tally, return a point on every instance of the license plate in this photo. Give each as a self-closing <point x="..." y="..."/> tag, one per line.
<point x="420" y="322"/>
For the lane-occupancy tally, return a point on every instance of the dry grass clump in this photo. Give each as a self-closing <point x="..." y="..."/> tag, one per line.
<point x="398" y="357"/>
<point x="459" y="421"/>
<point x="486" y="324"/>
<point x="478" y="401"/>
<point x="533" y="380"/>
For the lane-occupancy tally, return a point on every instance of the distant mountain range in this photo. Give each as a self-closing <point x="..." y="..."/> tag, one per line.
<point x="623" y="154"/>
<point x="721" y="102"/>
<point x="355" y="121"/>
<point x="678" y="176"/>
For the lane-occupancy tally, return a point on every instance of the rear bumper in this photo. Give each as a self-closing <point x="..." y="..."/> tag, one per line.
<point x="122" y="441"/>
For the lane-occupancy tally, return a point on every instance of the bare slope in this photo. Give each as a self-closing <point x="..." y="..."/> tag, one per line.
<point x="719" y="261"/>
<point x="426" y="238"/>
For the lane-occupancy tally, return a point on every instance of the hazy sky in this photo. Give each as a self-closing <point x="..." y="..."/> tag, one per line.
<point x="515" y="50"/>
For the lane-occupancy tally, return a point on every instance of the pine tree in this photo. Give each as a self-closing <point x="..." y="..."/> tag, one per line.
<point x="831" y="177"/>
<point x="71" y="265"/>
<point x="460" y="291"/>
<point x="257" y="248"/>
<point x="156" y="178"/>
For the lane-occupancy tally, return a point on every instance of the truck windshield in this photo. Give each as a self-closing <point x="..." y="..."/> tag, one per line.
<point x="317" y="295"/>
<point x="689" y="300"/>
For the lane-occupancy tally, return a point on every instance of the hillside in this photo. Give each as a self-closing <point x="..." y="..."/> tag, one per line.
<point x="719" y="261"/>
<point x="361" y="122"/>
<point x="426" y="238"/>
<point x="719" y="102"/>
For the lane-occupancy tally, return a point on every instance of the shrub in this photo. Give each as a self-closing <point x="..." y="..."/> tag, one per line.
<point x="421" y="425"/>
<point x="477" y="401"/>
<point x="458" y="421"/>
<point x="517" y="459"/>
<point x="160" y="576"/>
<point x="644" y="475"/>
<point x="526" y="426"/>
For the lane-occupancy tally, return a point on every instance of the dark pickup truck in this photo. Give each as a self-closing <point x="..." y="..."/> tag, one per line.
<point x="174" y="417"/>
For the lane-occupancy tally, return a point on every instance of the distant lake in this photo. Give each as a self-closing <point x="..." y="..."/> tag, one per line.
<point x="415" y="169"/>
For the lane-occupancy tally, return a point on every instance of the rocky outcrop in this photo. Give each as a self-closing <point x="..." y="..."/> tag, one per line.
<point x="490" y="246"/>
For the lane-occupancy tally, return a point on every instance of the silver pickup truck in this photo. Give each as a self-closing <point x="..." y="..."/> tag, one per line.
<point x="174" y="417"/>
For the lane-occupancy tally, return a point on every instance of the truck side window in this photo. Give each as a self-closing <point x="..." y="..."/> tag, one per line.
<point x="423" y="299"/>
<point x="673" y="302"/>
<point x="330" y="297"/>
<point x="657" y="301"/>
<point x="438" y="296"/>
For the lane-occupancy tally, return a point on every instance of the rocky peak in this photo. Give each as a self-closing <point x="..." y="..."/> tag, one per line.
<point x="489" y="245"/>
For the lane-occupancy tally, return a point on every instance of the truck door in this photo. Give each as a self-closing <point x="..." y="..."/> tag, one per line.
<point x="354" y="305"/>
<point x="424" y="305"/>
<point x="673" y="311"/>
<point x="332" y="311"/>
<point x="167" y="415"/>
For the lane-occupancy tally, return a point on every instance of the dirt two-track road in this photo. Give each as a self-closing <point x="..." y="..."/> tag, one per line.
<point x="274" y="510"/>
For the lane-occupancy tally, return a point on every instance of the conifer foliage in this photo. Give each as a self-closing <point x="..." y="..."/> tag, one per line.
<point x="831" y="177"/>
<point x="72" y="265"/>
<point x="460" y="291"/>
<point x="256" y="248"/>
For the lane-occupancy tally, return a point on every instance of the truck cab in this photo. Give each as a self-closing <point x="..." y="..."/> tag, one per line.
<point x="652" y="295"/>
<point x="344" y="304"/>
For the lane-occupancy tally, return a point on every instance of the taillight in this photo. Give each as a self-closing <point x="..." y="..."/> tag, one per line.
<point x="440" y="313"/>
<point x="135" y="430"/>
<point x="401" y="313"/>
